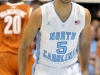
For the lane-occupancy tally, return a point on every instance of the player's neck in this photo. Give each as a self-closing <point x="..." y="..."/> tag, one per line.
<point x="63" y="10"/>
<point x="62" y="7"/>
<point x="15" y="1"/>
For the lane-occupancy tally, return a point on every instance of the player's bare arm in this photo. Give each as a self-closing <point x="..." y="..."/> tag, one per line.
<point x="29" y="34"/>
<point x="84" y="43"/>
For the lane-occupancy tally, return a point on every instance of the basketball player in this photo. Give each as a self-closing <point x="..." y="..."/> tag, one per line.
<point x="62" y="23"/>
<point x="13" y="18"/>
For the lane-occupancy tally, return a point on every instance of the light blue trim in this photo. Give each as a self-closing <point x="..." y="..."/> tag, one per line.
<point x="33" y="68"/>
<point x="38" y="46"/>
<point x="38" y="51"/>
<point x="79" y="68"/>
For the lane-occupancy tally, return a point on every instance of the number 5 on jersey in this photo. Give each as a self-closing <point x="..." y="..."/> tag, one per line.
<point x="15" y="22"/>
<point x="61" y="48"/>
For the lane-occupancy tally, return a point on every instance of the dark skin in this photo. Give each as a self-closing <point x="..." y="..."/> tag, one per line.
<point x="14" y="1"/>
<point x="84" y="44"/>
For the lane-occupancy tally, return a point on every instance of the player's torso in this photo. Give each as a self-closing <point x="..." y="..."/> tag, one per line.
<point x="13" y="19"/>
<point x="58" y="40"/>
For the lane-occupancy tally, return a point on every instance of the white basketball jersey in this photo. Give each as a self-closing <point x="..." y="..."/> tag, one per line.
<point x="57" y="40"/>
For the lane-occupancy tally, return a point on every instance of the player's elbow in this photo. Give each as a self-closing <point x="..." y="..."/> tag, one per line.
<point x="85" y="44"/>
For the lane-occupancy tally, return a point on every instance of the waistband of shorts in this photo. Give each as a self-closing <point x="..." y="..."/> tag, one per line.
<point x="58" y="67"/>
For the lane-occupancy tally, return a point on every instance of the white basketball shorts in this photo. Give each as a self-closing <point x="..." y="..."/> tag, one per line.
<point x="47" y="70"/>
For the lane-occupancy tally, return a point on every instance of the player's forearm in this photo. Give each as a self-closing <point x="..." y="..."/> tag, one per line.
<point x="84" y="50"/>
<point x="22" y="59"/>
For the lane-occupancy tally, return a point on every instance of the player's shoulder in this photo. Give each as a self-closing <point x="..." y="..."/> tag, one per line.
<point x="3" y="5"/>
<point x="86" y="11"/>
<point x="87" y="14"/>
<point x="36" y="17"/>
<point x="37" y="13"/>
<point x="25" y="4"/>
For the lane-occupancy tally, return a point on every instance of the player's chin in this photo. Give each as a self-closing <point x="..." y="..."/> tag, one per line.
<point x="65" y="1"/>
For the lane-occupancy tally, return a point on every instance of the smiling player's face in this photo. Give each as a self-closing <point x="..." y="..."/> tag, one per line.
<point x="65" y="1"/>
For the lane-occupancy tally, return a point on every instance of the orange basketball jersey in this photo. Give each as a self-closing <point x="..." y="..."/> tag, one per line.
<point x="13" y="19"/>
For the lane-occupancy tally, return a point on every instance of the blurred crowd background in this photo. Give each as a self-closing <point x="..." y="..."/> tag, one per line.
<point x="94" y="7"/>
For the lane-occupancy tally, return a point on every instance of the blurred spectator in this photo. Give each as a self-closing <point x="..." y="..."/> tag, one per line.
<point x="98" y="46"/>
<point x="98" y="52"/>
<point x="93" y="61"/>
<point x="98" y="13"/>
<point x="92" y="38"/>
<point x="95" y="22"/>
<point x="35" y="4"/>
<point x="98" y="49"/>
<point x="98" y="33"/>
